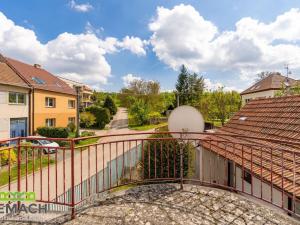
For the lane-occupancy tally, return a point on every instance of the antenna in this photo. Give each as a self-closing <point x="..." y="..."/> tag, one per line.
<point x="288" y="71"/>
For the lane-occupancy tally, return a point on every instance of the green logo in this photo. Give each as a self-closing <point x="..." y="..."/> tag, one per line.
<point x="6" y="196"/>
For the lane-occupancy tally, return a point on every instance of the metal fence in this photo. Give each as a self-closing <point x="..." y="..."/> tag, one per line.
<point x="74" y="173"/>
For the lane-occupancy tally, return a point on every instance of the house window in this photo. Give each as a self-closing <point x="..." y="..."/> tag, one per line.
<point x="50" y="122"/>
<point x="17" y="98"/>
<point x="50" y="102"/>
<point x="71" y="120"/>
<point x="247" y="177"/>
<point x="248" y="100"/>
<point x="71" y="104"/>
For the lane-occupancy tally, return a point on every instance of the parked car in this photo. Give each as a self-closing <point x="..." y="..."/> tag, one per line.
<point x="43" y="142"/>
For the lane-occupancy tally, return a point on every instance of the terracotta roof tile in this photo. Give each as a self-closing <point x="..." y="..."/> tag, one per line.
<point x="40" y="78"/>
<point x="273" y="82"/>
<point x="8" y="76"/>
<point x="268" y="128"/>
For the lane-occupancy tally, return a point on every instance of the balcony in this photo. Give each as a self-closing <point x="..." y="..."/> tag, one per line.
<point x="197" y="177"/>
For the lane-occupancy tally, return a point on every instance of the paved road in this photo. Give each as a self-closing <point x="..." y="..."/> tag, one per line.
<point x="120" y="120"/>
<point x="47" y="187"/>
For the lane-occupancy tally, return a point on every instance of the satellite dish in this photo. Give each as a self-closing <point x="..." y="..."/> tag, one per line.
<point x="185" y="119"/>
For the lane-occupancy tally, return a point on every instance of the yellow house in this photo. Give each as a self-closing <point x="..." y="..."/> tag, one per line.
<point x="52" y="102"/>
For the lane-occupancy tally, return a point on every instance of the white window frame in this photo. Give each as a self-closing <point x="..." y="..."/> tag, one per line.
<point x="47" y="101"/>
<point x="71" y="107"/>
<point x="48" y="122"/>
<point x="17" y="98"/>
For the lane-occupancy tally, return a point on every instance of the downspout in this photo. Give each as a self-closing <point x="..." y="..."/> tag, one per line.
<point x="29" y="112"/>
<point x="33" y="111"/>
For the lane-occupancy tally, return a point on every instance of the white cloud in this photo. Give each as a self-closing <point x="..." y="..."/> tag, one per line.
<point x="81" y="57"/>
<point x="80" y="7"/>
<point x="211" y="86"/>
<point x="182" y="36"/>
<point x="133" y="44"/>
<point x="129" y="78"/>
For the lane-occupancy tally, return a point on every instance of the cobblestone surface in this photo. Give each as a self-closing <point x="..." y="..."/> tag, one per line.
<point x="166" y="204"/>
<point x="163" y="204"/>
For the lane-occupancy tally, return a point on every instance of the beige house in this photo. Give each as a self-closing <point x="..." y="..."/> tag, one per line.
<point x="267" y="87"/>
<point x="85" y="91"/>
<point x="14" y="104"/>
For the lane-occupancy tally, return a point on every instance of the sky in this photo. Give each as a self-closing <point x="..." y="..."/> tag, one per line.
<point x="108" y="43"/>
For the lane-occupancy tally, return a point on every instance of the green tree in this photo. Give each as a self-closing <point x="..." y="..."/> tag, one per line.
<point x="102" y="115"/>
<point x="140" y="112"/>
<point x="189" y="87"/>
<point x="224" y="104"/>
<point x="87" y="119"/>
<point x="182" y="85"/>
<point x="110" y="105"/>
<point x="288" y="90"/>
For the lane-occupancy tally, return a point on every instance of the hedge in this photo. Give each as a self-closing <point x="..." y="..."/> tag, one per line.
<point x="164" y="153"/>
<point x="53" y="132"/>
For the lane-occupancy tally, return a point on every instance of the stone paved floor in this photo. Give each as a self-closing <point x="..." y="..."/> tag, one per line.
<point x="165" y="204"/>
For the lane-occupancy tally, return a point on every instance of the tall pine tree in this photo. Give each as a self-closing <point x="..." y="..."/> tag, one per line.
<point x="182" y="85"/>
<point x="189" y="87"/>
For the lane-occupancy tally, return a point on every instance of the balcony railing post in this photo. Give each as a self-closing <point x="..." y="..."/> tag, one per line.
<point x="19" y="168"/>
<point x="181" y="162"/>
<point x="72" y="180"/>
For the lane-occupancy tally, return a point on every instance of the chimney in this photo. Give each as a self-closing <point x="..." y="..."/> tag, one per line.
<point x="38" y="66"/>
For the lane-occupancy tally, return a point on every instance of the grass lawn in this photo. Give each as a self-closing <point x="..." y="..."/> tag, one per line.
<point x="87" y="142"/>
<point x="146" y="127"/>
<point x="14" y="169"/>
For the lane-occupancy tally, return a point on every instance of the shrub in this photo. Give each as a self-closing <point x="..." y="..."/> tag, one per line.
<point x="110" y="105"/>
<point x="87" y="119"/>
<point x="140" y="112"/>
<point x="164" y="153"/>
<point x="154" y="117"/>
<point x="71" y="127"/>
<point x="53" y="132"/>
<point x="102" y="116"/>
<point x="4" y="156"/>
<point x="87" y="133"/>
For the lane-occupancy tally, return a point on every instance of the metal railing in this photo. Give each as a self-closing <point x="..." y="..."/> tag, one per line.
<point x="75" y="172"/>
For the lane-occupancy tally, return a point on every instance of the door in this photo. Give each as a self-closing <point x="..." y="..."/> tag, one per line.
<point x="230" y="172"/>
<point x="18" y="127"/>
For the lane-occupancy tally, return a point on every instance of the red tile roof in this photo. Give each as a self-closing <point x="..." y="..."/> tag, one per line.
<point x="273" y="82"/>
<point x="40" y="78"/>
<point x="268" y="131"/>
<point x="8" y="76"/>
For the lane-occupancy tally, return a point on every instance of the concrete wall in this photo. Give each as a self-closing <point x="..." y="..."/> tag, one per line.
<point x="265" y="94"/>
<point x="61" y="112"/>
<point x="8" y="111"/>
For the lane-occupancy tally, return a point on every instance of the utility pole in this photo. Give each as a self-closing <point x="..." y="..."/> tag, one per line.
<point x="78" y="88"/>
<point x="177" y="99"/>
<point x="287" y="84"/>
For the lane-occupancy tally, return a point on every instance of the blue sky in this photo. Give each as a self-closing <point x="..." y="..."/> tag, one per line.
<point x="214" y="46"/>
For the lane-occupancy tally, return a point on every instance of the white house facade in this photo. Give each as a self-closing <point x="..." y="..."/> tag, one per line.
<point x="14" y="104"/>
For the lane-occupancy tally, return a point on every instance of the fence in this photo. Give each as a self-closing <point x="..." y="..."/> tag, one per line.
<point x="68" y="178"/>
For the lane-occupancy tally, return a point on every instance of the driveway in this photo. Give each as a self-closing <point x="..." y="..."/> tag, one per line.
<point x="54" y="180"/>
